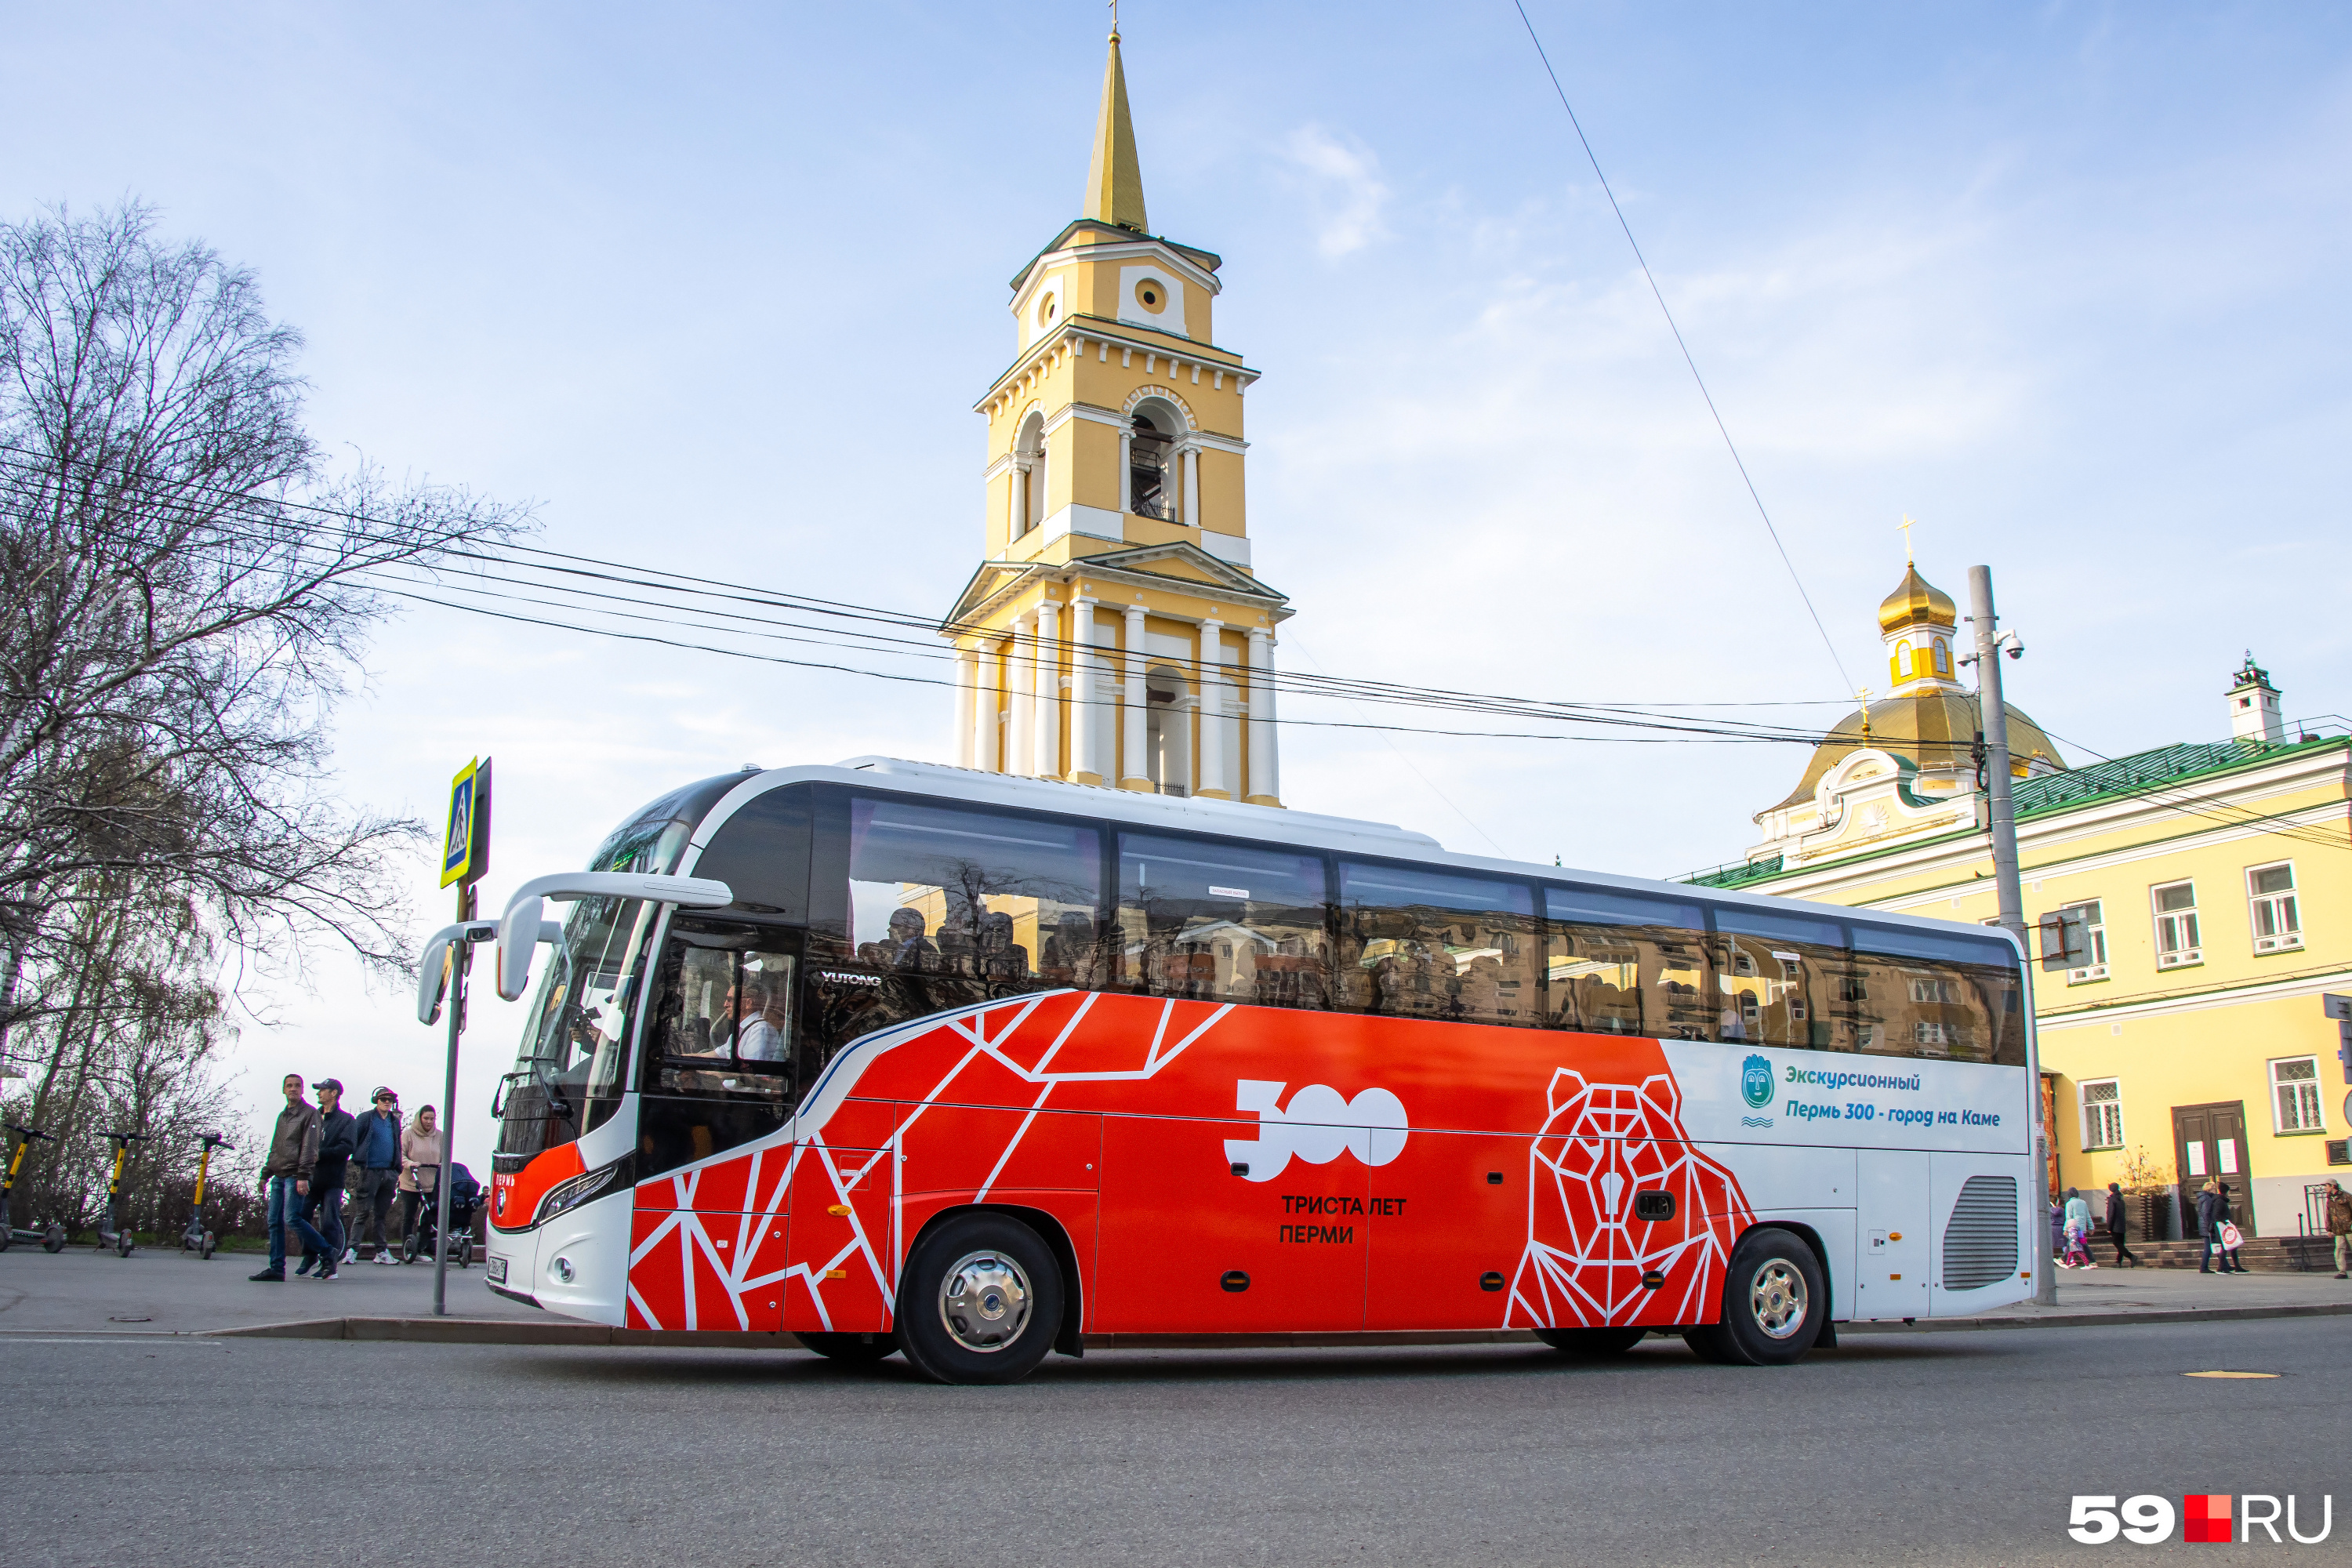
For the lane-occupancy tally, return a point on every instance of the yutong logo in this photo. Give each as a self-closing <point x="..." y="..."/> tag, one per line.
<point x="1315" y="1126"/>
<point x="2204" y="1516"/>
<point x="1756" y="1089"/>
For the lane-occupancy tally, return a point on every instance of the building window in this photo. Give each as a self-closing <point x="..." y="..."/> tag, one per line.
<point x="2103" y="1115"/>
<point x="1943" y="657"/>
<point x="2270" y="890"/>
<point x="2095" y="941"/>
<point x="1149" y="486"/>
<point x="2176" y="926"/>
<point x="2295" y="1085"/>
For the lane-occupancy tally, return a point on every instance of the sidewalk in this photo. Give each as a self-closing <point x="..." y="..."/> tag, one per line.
<point x="153" y="1291"/>
<point x="158" y="1292"/>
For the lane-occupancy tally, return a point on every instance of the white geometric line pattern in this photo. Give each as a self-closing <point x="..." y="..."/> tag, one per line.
<point x="988" y="1033"/>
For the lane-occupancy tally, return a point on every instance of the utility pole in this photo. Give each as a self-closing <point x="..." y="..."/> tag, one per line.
<point x="2011" y="902"/>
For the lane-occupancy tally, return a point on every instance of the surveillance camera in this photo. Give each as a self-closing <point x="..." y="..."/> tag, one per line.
<point x="2017" y="650"/>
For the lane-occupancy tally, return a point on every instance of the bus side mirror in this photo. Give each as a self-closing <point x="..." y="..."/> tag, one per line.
<point x="525" y="924"/>
<point x="433" y="965"/>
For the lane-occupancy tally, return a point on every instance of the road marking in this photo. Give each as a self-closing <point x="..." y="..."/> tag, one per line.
<point x="2229" y="1374"/>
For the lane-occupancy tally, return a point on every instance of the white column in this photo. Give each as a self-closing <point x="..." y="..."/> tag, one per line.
<point x="1020" y="698"/>
<point x="1264" y="769"/>
<point x="967" y="677"/>
<point x="1082" y="690"/>
<point x="1049" y="690"/>
<point x="1209" y="777"/>
<point x="990" y="734"/>
<point x="1020" y="498"/>
<point x="1193" y="486"/>
<point x="1132" y="771"/>
<point x="1126" y="474"/>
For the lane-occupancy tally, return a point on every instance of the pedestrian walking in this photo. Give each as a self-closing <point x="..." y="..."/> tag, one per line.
<point x="2118" y="1223"/>
<point x="2212" y="1213"/>
<point x="338" y="1133"/>
<point x="422" y="1144"/>
<point x="286" y="1177"/>
<point x="2228" y="1233"/>
<point x="376" y="1161"/>
<point x="2078" y="1231"/>
<point x="2339" y="1227"/>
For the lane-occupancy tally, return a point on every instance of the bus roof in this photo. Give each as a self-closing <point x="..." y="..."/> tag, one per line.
<point x="1233" y="819"/>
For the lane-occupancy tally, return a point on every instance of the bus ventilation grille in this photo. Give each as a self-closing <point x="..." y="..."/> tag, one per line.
<point x="1981" y="1240"/>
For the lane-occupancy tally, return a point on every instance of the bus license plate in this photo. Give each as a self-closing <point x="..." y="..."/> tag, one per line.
<point x="497" y="1270"/>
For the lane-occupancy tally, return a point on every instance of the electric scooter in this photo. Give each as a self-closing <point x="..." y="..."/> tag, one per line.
<point x="53" y="1235"/>
<point x="113" y="1231"/>
<point x="199" y="1237"/>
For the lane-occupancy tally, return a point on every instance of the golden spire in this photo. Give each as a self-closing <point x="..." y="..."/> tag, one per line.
<point x="1115" y="178"/>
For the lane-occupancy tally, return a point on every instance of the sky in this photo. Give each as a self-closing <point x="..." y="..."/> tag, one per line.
<point x="715" y="288"/>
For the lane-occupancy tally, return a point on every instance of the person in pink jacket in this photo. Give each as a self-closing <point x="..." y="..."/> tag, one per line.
<point x="421" y="1145"/>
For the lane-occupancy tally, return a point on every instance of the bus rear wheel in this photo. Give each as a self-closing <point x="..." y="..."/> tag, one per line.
<point x="980" y="1301"/>
<point x="1775" y="1301"/>
<point x="1591" y="1342"/>
<point x="851" y="1349"/>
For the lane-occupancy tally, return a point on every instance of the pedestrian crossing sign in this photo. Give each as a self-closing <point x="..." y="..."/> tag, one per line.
<point x="466" y="848"/>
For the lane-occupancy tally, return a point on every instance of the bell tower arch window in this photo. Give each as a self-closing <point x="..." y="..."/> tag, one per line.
<point x="1150" y="478"/>
<point x="1943" y="657"/>
<point x="1029" y="475"/>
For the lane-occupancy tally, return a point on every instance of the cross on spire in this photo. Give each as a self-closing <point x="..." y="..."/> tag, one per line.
<point x="1908" y="559"/>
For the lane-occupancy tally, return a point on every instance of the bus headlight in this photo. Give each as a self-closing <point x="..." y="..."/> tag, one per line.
<point x="578" y="1189"/>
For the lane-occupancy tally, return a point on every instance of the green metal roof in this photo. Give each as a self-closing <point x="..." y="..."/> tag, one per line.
<point x="1738" y="875"/>
<point x="2126" y="776"/>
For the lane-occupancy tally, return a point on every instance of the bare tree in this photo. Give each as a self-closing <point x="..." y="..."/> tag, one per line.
<point x="185" y="595"/>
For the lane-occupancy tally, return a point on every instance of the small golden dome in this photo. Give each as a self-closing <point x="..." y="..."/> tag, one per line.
<point x="1917" y="602"/>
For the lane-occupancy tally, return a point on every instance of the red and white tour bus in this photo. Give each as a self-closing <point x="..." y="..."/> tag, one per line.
<point x="906" y="1058"/>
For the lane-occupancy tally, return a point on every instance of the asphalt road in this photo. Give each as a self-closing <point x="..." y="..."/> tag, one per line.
<point x="1949" y="1448"/>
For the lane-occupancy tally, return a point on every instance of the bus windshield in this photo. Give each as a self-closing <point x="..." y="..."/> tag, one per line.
<point x="567" y="1076"/>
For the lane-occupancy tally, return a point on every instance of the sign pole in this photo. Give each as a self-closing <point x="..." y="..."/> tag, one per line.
<point x="461" y="960"/>
<point x="465" y="855"/>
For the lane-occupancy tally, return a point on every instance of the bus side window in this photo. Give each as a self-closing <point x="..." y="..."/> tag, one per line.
<point x="1629" y="963"/>
<point x="1422" y="944"/>
<point x="1779" y="974"/>
<point x="1221" y="922"/>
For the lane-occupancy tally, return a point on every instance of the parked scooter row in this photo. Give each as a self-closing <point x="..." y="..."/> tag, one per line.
<point x="114" y="1231"/>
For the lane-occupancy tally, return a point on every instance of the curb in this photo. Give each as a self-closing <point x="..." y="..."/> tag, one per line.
<point x="506" y="1332"/>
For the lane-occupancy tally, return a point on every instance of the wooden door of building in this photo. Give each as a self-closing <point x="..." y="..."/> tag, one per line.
<point x="2209" y="1145"/>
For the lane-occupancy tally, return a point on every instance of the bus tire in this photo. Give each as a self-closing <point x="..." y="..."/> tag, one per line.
<point x="981" y="1300"/>
<point x="851" y="1349"/>
<point x="1775" y="1301"/>
<point x="1591" y="1342"/>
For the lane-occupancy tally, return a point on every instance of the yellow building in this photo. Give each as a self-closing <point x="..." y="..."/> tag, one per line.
<point x="1115" y="634"/>
<point x="2215" y="878"/>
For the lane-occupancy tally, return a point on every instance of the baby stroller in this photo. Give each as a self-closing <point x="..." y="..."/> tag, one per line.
<point x="464" y="1197"/>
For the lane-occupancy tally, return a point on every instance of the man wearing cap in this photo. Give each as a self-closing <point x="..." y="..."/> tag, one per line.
<point x="322" y="1205"/>
<point x="376" y="1153"/>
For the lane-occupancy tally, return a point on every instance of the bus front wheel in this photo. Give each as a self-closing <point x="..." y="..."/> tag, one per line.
<point x="1775" y="1301"/>
<point x="981" y="1303"/>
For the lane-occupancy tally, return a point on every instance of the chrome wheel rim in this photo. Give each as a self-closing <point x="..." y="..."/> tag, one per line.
<point x="984" y="1301"/>
<point x="1777" y="1297"/>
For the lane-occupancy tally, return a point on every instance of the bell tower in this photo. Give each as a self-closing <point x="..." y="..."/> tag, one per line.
<point x="1114" y="633"/>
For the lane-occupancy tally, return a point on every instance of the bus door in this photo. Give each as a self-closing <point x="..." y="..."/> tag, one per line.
<point x="1198" y="1239"/>
<point x="1892" y="1216"/>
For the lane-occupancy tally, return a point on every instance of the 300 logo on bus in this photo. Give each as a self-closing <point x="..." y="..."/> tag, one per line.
<point x="1317" y="1124"/>
<point x="2205" y="1516"/>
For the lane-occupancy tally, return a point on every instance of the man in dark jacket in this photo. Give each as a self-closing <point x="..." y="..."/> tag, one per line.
<point x="338" y="1136"/>
<point x="2212" y="1213"/>
<point x="286" y="1177"/>
<point x="2119" y="1223"/>
<point x="376" y="1158"/>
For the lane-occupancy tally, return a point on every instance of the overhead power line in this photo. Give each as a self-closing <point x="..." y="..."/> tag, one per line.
<point x="1659" y="295"/>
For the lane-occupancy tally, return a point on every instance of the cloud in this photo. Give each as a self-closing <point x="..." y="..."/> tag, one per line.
<point x="1343" y="186"/>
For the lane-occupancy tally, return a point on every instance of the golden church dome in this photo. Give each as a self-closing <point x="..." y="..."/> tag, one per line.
<point x="1936" y="731"/>
<point x="1917" y="602"/>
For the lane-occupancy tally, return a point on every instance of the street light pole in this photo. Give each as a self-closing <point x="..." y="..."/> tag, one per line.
<point x="2010" y="899"/>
